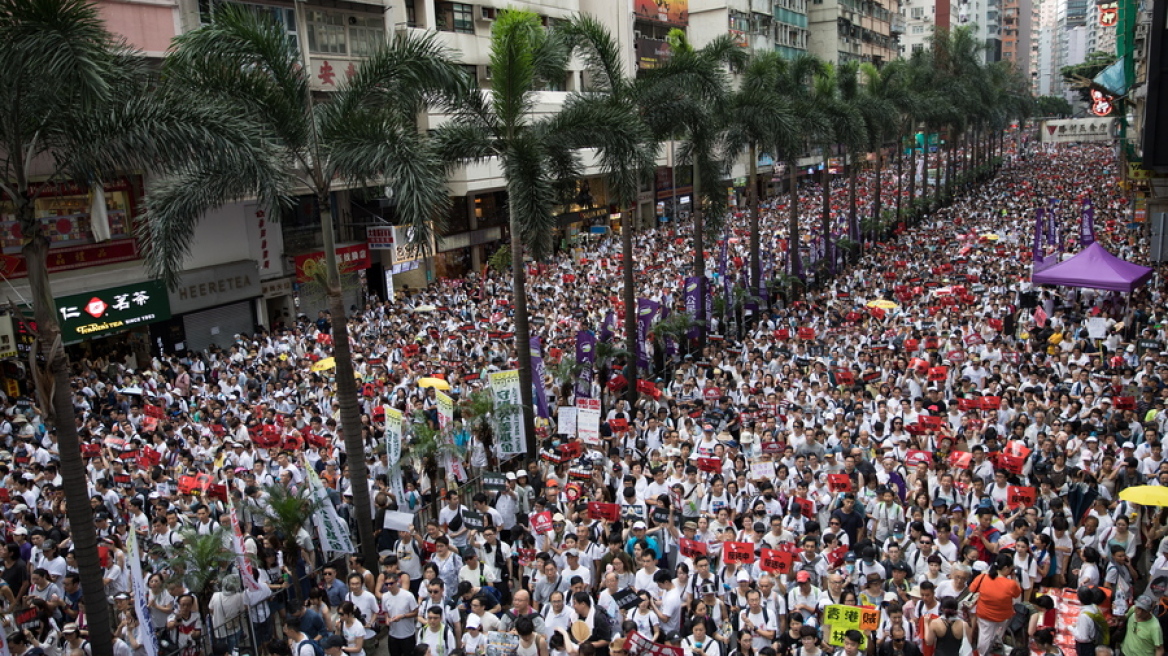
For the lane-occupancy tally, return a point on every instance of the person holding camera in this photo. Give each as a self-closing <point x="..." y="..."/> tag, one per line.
<point x="699" y="643"/>
<point x="997" y="589"/>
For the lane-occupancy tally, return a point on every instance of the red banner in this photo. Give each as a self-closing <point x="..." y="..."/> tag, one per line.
<point x="69" y="258"/>
<point x="960" y="459"/>
<point x="839" y="483"/>
<point x="692" y="548"/>
<point x="541" y="522"/>
<point x="709" y="464"/>
<point x="607" y="511"/>
<point x="738" y="552"/>
<point x="775" y="561"/>
<point x="1018" y="495"/>
<point x="349" y="258"/>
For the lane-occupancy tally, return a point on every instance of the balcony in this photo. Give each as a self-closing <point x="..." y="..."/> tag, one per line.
<point x="897" y="26"/>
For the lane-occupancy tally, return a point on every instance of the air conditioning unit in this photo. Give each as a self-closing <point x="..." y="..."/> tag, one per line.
<point x="483" y="72"/>
<point x="485" y="14"/>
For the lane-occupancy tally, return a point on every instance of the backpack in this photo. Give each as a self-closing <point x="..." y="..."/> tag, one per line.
<point x="1102" y="629"/>
<point x="316" y="648"/>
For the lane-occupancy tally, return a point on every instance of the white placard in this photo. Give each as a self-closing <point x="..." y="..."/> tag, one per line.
<point x="566" y="421"/>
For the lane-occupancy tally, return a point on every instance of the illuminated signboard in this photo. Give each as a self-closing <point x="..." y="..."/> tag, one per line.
<point x="113" y="310"/>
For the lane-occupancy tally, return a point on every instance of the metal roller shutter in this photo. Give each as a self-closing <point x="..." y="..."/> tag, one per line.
<point x="218" y="325"/>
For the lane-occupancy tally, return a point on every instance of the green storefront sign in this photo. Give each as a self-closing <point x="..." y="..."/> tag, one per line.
<point x="113" y="310"/>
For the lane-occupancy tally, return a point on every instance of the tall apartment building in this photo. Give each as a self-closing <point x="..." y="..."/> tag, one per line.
<point x="780" y="25"/>
<point x="922" y="19"/>
<point x="865" y="30"/>
<point x="1017" y="33"/>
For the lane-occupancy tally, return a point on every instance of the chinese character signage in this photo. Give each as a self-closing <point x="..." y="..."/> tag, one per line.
<point x="508" y="412"/>
<point x="349" y="258"/>
<point x="673" y="12"/>
<point x="1108" y="14"/>
<point x="109" y="311"/>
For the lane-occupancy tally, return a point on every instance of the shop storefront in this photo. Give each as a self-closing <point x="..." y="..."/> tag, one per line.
<point x="115" y="321"/>
<point x="211" y="306"/>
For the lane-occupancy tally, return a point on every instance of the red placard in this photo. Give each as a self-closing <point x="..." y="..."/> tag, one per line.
<point x="911" y="345"/>
<point x="836" y="556"/>
<point x="608" y="511"/>
<point x="571" y="450"/>
<point x="738" y="552"/>
<point x="776" y="561"/>
<point x="956" y="356"/>
<point x="990" y="402"/>
<point x="807" y="333"/>
<point x="1017" y="449"/>
<point x="618" y="425"/>
<point x="709" y="464"/>
<point x="806" y="506"/>
<point x="965" y="405"/>
<point x="187" y="484"/>
<point x="1124" y="402"/>
<point x="960" y="459"/>
<point x="974" y="339"/>
<point x="526" y="557"/>
<point x="839" y="483"/>
<point x="150" y="458"/>
<point x="919" y="365"/>
<point x="1020" y="495"/>
<point x="692" y="548"/>
<point x="930" y="421"/>
<point x="916" y="457"/>
<point x="938" y="374"/>
<point x="541" y="522"/>
<point x="845" y="377"/>
<point x="153" y="411"/>
<point x="1012" y="464"/>
<point x="90" y="450"/>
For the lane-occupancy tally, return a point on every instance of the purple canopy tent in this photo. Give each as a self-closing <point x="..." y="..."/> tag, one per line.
<point x="1094" y="268"/>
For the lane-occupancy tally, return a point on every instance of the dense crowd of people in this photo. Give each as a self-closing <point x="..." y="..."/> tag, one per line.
<point x="947" y="463"/>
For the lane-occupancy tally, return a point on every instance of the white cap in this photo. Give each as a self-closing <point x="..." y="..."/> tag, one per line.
<point x="637" y="525"/>
<point x="510" y="476"/>
<point x="1129" y="445"/>
<point x="473" y="622"/>
<point x="521" y="473"/>
<point x="742" y="575"/>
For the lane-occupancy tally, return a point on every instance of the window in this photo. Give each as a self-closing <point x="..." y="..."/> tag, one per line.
<point x="366" y="34"/>
<point x="411" y="14"/>
<point x="326" y="32"/>
<point x="284" y="16"/>
<point x="918" y="13"/>
<point x="455" y="17"/>
<point x="918" y="29"/>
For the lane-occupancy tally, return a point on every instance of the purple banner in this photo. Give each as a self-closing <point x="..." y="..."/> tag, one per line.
<point x="1051" y="220"/>
<point x="646" y="315"/>
<point x="1038" y="254"/>
<point x="607" y="326"/>
<point x="586" y="356"/>
<point x="537" y="376"/>
<point x="670" y="343"/>
<point x="1087" y="224"/>
<point x="695" y="306"/>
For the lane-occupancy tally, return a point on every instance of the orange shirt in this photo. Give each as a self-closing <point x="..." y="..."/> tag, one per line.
<point x="996" y="600"/>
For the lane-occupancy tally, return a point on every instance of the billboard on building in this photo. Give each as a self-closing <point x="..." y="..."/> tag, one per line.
<point x="673" y="12"/>
<point x="1078" y="129"/>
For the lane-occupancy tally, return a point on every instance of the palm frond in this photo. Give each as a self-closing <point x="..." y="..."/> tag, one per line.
<point x="516" y="36"/>
<point x="530" y="193"/>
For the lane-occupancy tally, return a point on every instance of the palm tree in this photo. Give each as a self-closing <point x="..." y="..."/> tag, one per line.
<point x="286" y="512"/>
<point x="607" y="117"/>
<point x="80" y="106"/>
<point x="500" y="123"/>
<point x="199" y="561"/>
<point x="686" y="99"/>
<point x="833" y="89"/>
<point x="795" y="83"/>
<point x="759" y="118"/>
<point x="883" y="99"/>
<point x="365" y="133"/>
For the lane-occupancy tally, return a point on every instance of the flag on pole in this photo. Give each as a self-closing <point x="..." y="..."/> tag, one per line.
<point x="141" y="604"/>
<point x="333" y="534"/>
<point x="245" y="573"/>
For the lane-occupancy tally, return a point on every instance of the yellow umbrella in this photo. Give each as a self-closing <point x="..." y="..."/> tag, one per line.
<point x="989" y="236"/>
<point x="1146" y="495"/>
<point x="324" y="364"/>
<point x="883" y="304"/>
<point x="436" y="383"/>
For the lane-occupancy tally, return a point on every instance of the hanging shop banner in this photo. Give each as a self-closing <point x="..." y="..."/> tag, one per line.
<point x="113" y="310"/>
<point x="354" y="257"/>
<point x="508" y="412"/>
<point x="332" y="531"/>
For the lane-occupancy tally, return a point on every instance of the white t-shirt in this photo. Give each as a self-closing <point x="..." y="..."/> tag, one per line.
<point x="400" y="604"/>
<point x="761" y="622"/>
<point x="671" y="606"/>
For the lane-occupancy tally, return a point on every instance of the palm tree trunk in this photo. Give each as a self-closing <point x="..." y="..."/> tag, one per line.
<point x="912" y="177"/>
<point x="346" y="393"/>
<point x="877" y="204"/>
<point x="630" y="301"/>
<point x="899" y="178"/>
<point x="853" y="219"/>
<point x="825" y="219"/>
<point x="699" y="239"/>
<point x="793" y="255"/>
<point x="925" y="168"/>
<point x="753" y="200"/>
<point x="55" y="396"/>
<point x="522" y="330"/>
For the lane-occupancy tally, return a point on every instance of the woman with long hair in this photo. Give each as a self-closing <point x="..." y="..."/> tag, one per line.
<point x="996" y="590"/>
<point x="946" y="633"/>
<point x="351" y="626"/>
